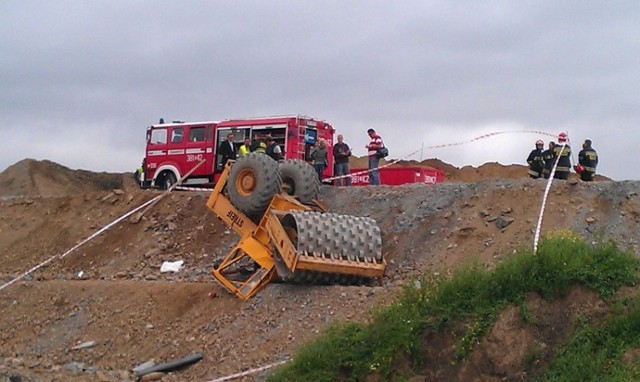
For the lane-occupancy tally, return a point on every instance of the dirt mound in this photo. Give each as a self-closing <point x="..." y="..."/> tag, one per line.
<point x="111" y="292"/>
<point x="30" y="177"/>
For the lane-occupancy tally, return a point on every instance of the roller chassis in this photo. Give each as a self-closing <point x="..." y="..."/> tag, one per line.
<point x="290" y="241"/>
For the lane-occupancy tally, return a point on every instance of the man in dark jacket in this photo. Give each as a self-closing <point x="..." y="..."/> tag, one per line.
<point x="341" y="154"/>
<point x="536" y="163"/>
<point x="227" y="150"/>
<point x="273" y="149"/>
<point x="588" y="158"/>
<point x="549" y="158"/>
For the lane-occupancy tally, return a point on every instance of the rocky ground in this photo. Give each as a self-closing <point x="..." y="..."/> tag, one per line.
<point x="105" y="307"/>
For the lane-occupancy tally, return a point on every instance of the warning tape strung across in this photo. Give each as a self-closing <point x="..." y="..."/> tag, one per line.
<point x="536" y="237"/>
<point x="198" y="189"/>
<point x="62" y="256"/>
<point x="407" y="156"/>
<point x="248" y="372"/>
<point x="491" y="135"/>
<point x="372" y="169"/>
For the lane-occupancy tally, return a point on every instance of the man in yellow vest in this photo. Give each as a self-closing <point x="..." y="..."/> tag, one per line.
<point x="245" y="149"/>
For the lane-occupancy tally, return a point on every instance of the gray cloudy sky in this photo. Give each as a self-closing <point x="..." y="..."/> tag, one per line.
<point x="81" y="80"/>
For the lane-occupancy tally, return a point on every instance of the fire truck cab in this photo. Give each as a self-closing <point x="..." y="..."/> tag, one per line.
<point x="174" y="149"/>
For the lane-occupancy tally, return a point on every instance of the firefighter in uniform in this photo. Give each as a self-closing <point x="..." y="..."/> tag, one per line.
<point x="535" y="160"/>
<point x="588" y="158"/>
<point x="258" y="145"/>
<point x="549" y="158"/>
<point x="563" y="151"/>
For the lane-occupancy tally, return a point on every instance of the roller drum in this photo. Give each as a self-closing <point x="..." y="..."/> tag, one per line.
<point x="339" y="236"/>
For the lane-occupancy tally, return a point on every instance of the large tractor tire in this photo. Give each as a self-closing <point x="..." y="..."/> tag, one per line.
<point x="299" y="179"/>
<point x="253" y="181"/>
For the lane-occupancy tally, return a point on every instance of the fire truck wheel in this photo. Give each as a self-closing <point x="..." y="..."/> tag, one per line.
<point x="168" y="180"/>
<point x="253" y="181"/>
<point x="299" y="179"/>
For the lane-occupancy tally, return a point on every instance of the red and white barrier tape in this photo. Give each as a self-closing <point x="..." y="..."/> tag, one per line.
<point x="198" y="189"/>
<point x="62" y="256"/>
<point x="405" y="157"/>
<point x="372" y="169"/>
<point x="248" y="372"/>
<point x="536" y="237"/>
<point x="491" y="135"/>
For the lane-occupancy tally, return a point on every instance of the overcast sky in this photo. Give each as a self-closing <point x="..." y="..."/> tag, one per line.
<point x="81" y="80"/>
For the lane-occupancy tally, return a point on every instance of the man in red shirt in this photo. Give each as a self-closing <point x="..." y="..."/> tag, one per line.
<point x="373" y="146"/>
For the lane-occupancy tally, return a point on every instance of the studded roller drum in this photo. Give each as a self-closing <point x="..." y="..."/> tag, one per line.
<point x="332" y="236"/>
<point x="253" y="181"/>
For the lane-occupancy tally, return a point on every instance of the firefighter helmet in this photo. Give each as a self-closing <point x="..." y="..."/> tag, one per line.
<point x="539" y="142"/>
<point x="562" y="137"/>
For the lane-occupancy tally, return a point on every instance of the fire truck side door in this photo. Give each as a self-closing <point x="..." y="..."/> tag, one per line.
<point x="197" y="148"/>
<point x="176" y="149"/>
<point x="156" y="151"/>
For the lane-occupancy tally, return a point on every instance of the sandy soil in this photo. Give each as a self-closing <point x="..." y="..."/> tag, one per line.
<point x="110" y="291"/>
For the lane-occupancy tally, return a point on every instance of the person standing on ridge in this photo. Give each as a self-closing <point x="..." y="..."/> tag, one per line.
<point x="549" y="158"/>
<point x="373" y="146"/>
<point x="273" y="149"/>
<point x="319" y="157"/>
<point x="563" y="151"/>
<point x="588" y="158"/>
<point x="535" y="160"/>
<point x="341" y="154"/>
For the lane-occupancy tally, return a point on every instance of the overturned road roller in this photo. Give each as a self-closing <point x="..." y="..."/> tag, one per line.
<point x="285" y="232"/>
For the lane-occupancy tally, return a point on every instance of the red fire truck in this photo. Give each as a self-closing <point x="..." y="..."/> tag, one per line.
<point x="173" y="149"/>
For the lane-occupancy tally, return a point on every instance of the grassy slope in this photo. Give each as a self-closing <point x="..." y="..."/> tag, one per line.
<point x="353" y="351"/>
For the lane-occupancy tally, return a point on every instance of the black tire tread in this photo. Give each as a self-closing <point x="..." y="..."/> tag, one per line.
<point x="268" y="182"/>
<point x="304" y="178"/>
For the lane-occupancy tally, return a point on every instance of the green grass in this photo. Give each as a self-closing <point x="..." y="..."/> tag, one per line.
<point x="594" y="352"/>
<point x="472" y="299"/>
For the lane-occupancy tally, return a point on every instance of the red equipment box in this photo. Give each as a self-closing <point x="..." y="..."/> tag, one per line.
<point x="393" y="176"/>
